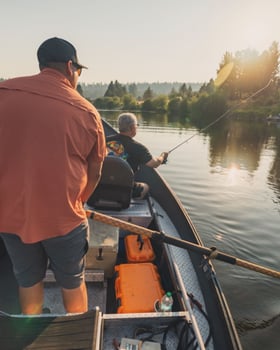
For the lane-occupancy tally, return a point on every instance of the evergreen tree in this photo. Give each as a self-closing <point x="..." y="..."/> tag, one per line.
<point x="270" y="64"/>
<point x="110" y="92"/>
<point x="184" y="108"/>
<point x="208" y="88"/>
<point x="148" y="94"/>
<point x="189" y="92"/>
<point x="183" y="91"/>
<point x="132" y="89"/>
<point x="115" y="89"/>
<point x="173" y="93"/>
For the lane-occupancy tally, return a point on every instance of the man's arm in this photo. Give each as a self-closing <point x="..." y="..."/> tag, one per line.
<point x="95" y="160"/>
<point x="94" y="174"/>
<point x="155" y="162"/>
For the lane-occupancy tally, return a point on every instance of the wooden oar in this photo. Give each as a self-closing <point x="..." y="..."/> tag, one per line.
<point x="212" y="254"/>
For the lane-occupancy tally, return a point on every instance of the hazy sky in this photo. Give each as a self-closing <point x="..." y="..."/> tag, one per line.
<point x="137" y="40"/>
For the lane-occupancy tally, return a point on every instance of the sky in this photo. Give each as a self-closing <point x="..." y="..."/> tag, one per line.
<point x="137" y="40"/>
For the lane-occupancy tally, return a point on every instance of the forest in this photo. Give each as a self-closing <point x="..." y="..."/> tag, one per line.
<point x="252" y="78"/>
<point x="250" y="90"/>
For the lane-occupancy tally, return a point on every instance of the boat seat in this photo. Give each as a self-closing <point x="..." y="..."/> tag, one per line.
<point x="56" y="332"/>
<point x="138" y="213"/>
<point x="114" y="190"/>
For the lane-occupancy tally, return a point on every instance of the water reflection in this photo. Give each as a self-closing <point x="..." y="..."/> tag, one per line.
<point x="237" y="142"/>
<point x="228" y="178"/>
<point x="233" y="144"/>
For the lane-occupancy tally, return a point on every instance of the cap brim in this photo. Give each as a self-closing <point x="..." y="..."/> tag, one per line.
<point x="81" y="66"/>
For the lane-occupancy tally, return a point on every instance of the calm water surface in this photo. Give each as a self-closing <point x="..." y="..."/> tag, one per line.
<point x="228" y="179"/>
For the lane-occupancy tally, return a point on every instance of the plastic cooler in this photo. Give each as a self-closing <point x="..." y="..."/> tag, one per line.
<point x="138" y="249"/>
<point x="137" y="287"/>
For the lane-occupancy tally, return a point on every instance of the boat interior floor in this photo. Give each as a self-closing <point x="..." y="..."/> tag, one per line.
<point x="101" y="285"/>
<point x="98" y="284"/>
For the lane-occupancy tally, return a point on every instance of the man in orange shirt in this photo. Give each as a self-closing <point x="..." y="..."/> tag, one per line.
<point x="52" y="148"/>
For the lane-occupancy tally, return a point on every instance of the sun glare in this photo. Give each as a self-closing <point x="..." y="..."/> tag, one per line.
<point x="223" y="74"/>
<point x="233" y="172"/>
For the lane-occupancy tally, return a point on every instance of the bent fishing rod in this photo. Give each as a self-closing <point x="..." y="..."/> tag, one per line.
<point x="230" y="110"/>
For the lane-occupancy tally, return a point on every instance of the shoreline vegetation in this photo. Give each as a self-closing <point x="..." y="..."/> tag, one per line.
<point x="202" y="103"/>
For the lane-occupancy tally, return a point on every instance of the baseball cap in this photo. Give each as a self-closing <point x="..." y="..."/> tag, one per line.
<point x="57" y="50"/>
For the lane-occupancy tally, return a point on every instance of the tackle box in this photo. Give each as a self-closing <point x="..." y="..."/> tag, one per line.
<point x="103" y="247"/>
<point x="138" y="249"/>
<point x="137" y="287"/>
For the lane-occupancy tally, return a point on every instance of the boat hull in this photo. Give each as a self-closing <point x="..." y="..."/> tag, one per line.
<point x="200" y="310"/>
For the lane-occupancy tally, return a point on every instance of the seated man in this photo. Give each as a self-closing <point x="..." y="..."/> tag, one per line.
<point x="123" y="145"/>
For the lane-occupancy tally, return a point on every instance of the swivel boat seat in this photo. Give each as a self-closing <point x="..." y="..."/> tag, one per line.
<point x="114" y="190"/>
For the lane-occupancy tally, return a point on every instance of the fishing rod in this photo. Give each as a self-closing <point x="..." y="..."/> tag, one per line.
<point x="222" y="116"/>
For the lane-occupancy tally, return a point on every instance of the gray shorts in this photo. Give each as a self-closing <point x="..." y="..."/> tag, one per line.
<point x="65" y="255"/>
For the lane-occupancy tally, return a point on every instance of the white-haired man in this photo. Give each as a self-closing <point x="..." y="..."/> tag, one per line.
<point x="135" y="153"/>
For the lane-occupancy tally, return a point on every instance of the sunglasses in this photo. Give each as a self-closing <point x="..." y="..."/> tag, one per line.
<point x="78" y="68"/>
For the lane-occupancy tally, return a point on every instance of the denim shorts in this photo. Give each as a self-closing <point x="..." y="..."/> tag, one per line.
<point x="63" y="254"/>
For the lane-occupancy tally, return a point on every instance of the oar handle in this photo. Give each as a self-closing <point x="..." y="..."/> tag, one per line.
<point x="106" y="219"/>
<point x="210" y="253"/>
<point x="215" y="254"/>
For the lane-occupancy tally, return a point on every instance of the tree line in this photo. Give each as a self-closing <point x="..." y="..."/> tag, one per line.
<point x="250" y="72"/>
<point x="203" y="103"/>
<point x="96" y="90"/>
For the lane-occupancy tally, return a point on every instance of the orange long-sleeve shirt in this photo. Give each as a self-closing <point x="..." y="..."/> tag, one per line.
<point x="48" y="136"/>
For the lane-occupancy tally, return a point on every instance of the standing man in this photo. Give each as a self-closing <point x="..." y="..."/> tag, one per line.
<point x="123" y="145"/>
<point x="52" y="148"/>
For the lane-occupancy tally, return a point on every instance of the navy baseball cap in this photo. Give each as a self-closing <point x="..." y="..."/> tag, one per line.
<point x="57" y="50"/>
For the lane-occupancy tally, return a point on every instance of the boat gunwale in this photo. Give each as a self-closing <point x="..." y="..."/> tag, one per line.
<point x="210" y="286"/>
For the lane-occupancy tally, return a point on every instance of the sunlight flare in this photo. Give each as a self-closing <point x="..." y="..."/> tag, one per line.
<point x="223" y="74"/>
<point x="233" y="174"/>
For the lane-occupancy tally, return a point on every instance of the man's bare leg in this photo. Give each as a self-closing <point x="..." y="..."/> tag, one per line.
<point x="31" y="299"/>
<point x="145" y="190"/>
<point x="75" y="300"/>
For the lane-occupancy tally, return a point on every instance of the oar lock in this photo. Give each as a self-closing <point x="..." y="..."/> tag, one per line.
<point x="214" y="253"/>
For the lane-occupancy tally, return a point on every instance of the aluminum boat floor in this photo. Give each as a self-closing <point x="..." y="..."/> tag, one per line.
<point x="96" y="297"/>
<point x="116" y="325"/>
<point x="185" y="266"/>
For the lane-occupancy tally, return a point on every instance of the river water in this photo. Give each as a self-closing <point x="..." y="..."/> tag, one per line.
<point x="228" y="179"/>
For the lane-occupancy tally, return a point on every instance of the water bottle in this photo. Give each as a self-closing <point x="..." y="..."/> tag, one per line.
<point x="166" y="302"/>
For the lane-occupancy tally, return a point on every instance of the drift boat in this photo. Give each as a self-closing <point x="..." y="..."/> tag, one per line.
<point x="137" y="253"/>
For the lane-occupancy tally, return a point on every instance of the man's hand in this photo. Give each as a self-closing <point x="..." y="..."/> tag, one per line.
<point x="164" y="156"/>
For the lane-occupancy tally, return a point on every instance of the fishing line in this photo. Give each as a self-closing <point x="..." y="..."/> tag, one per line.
<point x="223" y="115"/>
